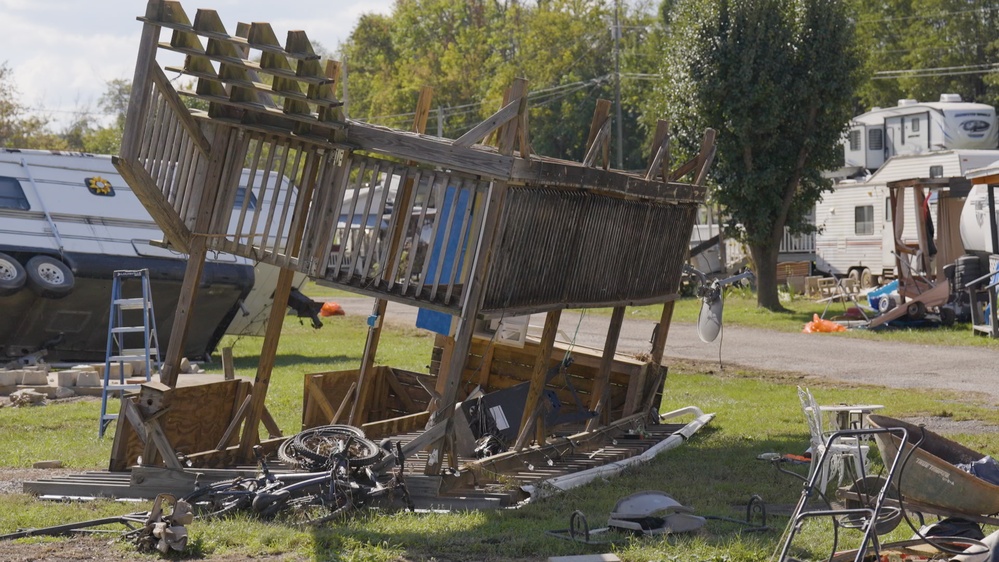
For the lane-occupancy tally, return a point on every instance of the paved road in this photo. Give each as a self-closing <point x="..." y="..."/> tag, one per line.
<point x="892" y="364"/>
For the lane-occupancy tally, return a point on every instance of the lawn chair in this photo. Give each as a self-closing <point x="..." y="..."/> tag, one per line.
<point x="845" y="453"/>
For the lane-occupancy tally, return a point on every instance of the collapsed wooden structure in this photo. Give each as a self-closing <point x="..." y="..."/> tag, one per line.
<point x="264" y="164"/>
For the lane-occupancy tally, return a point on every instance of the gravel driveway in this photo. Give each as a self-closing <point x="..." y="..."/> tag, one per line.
<point x="891" y="364"/>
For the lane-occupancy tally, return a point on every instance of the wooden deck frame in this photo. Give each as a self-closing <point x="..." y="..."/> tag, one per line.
<point x="186" y="164"/>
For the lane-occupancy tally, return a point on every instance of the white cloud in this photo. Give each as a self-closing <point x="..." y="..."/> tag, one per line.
<point x="62" y="52"/>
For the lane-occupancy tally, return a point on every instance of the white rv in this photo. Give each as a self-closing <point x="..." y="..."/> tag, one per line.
<point x="941" y="139"/>
<point x="914" y="127"/>
<point x="855" y="222"/>
<point x="67" y="222"/>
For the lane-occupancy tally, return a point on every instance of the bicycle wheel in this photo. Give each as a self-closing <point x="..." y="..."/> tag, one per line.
<point x="222" y="498"/>
<point x="319" y="444"/>
<point x="315" y="509"/>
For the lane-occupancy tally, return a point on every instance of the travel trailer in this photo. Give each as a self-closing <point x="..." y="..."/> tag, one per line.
<point x="914" y="127"/>
<point x="67" y="222"/>
<point x="939" y="139"/>
<point x="855" y="221"/>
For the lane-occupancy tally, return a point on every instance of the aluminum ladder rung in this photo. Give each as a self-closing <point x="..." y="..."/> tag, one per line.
<point x="131" y="304"/>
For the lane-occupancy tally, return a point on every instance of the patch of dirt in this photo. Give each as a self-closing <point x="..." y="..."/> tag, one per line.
<point x="12" y="479"/>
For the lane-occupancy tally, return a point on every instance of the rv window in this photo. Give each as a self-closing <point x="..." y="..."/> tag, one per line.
<point x="855" y="139"/>
<point x="11" y="195"/>
<point x="887" y="209"/>
<point x="864" y="219"/>
<point x="238" y="202"/>
<point x="915" y="124"/>
<point x="875" y="139"/>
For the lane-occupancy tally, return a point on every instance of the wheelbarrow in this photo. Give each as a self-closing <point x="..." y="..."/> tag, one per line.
<point x="928" y="479"/>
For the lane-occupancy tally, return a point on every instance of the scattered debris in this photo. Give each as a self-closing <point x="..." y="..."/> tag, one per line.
<point x="147" y="530"/>
<point x="27" y="397"/>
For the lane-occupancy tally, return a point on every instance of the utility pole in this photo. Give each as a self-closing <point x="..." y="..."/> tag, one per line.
<point x="618" y="127"/>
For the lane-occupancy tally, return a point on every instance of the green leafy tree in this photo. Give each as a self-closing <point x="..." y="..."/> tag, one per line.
<point x="19" y="128"/>
<point x="470" y="51"/>
<point x="776" y="78"/>
<point x="922" y="48"/>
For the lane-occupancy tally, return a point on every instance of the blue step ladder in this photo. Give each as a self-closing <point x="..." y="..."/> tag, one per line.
<point x="131" y="317"/>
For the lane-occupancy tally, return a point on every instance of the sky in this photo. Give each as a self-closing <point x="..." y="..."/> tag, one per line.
<point x="63" y="52"/>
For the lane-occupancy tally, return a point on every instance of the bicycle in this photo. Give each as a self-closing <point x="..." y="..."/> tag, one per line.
<point x="344" y="482"/>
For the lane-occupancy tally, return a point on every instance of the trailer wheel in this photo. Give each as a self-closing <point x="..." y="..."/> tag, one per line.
<point x="49" y="277"/>
<point x="12" y="275"/>
<point x="866" y="279"/>
<point x="854" y="275"/>
<point x="916" y="310"/>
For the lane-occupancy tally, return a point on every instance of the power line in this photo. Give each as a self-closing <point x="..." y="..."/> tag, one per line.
<point x="928" y="17"/>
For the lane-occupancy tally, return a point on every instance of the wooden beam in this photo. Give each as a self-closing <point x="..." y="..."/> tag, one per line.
<point x="227" y="367"/>
<point x="207" y="180"/>
<point x="138" y="102"/>
<point x="279" y="306"/>
<point x="538" y="377"/>
<point x="659" y="159"/>
<point x="598" y="400"/>
<point x="347" y="399"/>
<point x="449" y="380"/>
<point x="267" y="355"/>
<point x="317" y="397"/>
<point x="234" y="423"/>
<point x="570" y="175"/>
<point x="364" y="382"/>
<point x="495" y="121"/>
<point x="273" y="430"/>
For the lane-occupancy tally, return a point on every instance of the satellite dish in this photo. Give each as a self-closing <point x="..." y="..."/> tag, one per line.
<point x="709" y="320"/>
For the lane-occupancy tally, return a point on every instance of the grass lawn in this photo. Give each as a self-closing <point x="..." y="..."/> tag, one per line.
<point x="715" y="473"/>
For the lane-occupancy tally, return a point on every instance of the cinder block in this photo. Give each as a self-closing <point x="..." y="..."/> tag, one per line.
<point x="88" y="378"/>
<point x="10" y="378"/>
<point x="66" y="378"/>
<point x="34" y="378"/>
<point x="120" y="369"/>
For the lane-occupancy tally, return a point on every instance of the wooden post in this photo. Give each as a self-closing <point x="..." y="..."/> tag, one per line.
<point x="538" y="376"/>
<point x="658" y="347"/>
<point x="599" y="401"/>
<point x="141" y="83"/>
<point x="455" y="360"/>
<point x="210" y="174"/>
<point x="275" y="321"/>
<point x="358" y="412"/>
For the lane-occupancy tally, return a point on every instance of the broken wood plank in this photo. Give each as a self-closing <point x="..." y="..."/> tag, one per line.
<point x="538" y="378"/>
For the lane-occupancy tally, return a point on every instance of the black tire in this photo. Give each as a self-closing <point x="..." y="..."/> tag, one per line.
<point x="12" y="275"/>
<point x="886" y="303"/>
<point x="916" y="310"/>
<point x="947" y="316"/>
<point x="49" y="278"/>
<point x="221" y="499"/>
<point x="319" y="443"/>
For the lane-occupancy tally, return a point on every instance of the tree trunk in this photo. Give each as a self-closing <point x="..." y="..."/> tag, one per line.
<point x="765" y="258"/>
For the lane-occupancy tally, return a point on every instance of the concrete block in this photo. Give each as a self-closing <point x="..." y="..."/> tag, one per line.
<point x="34" y="378"/>
<point x="118" y="368"/>
<point x="47" y="464"/>
<point x="64" y="392"/>
<point x="10" y="378"/>
<point x="43" y="367"/>
<point x="585" y="558"/>
<point x="66" y="378"/>
<point x="88" y="378"/>
<point x="88" y="367"/>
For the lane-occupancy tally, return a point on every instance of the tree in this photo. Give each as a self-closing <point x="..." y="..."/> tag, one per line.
<point x="923" y="48"/>
<point x="18" y="128"/>
<point x="469" y="51"/>
<point x="776" y="79"/>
